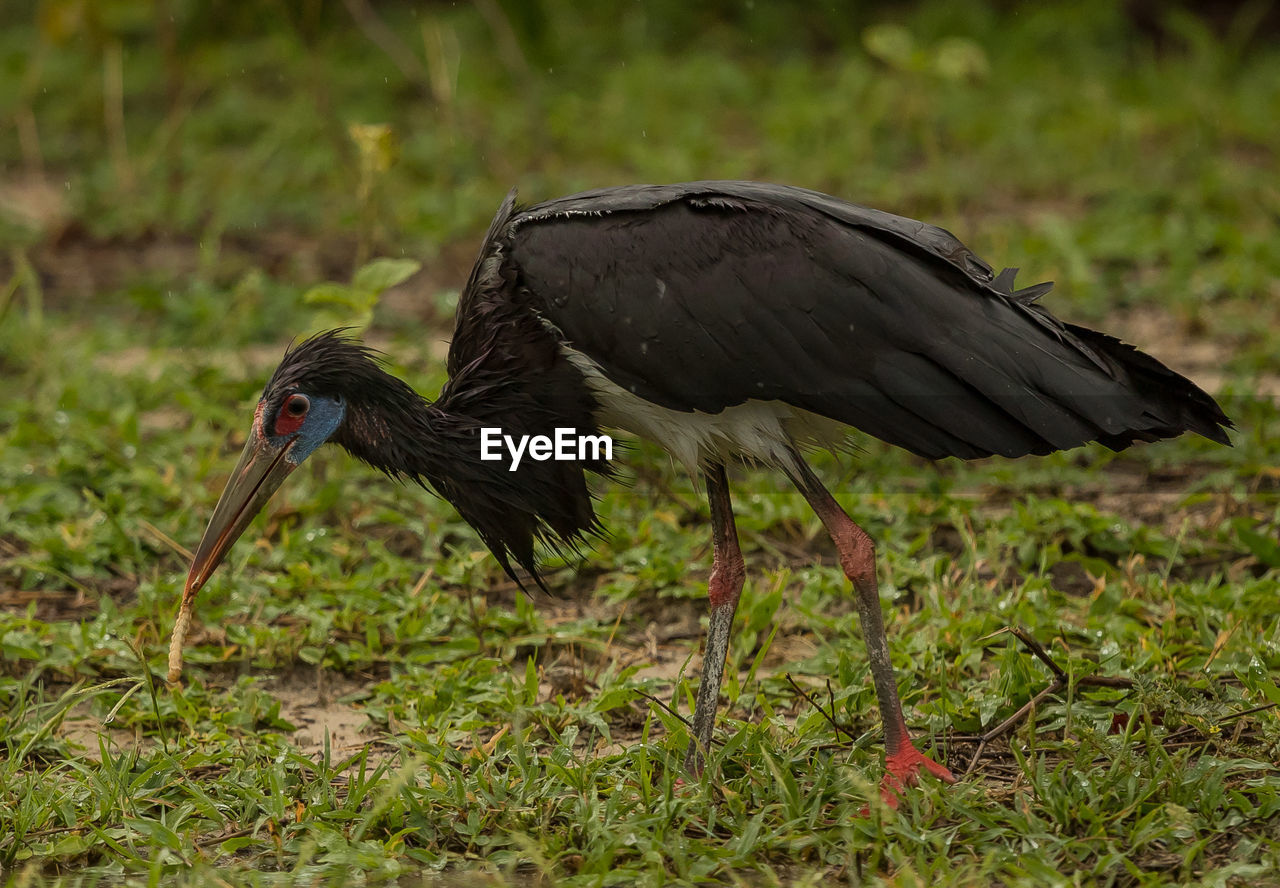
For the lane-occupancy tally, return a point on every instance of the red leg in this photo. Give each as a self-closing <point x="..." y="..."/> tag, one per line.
<point x="858" y="559"/>
<point x="727" y="575"/>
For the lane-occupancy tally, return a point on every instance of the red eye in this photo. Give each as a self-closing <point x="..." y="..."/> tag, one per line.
<point x="292" y="412"/>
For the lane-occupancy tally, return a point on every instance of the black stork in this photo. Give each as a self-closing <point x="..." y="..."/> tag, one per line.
<point x="723" y="320"/>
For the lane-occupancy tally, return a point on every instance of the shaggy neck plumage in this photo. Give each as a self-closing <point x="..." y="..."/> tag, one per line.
<point x="394" y="429"/>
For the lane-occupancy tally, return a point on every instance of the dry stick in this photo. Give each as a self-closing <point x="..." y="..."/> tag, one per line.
<point x="840" y="729"/>
<point x="218" y="839"/>
<point x="1040" y="653"/>
<point x="667" y="707"/>
<point x="1061" y="680"/>
<point x="831" y="701"/>
<point x="166" y="540"/>
<point x="113" y="113"/>
<point x="1263" y="708"/>
<point x="510" y="52"/>
<point x="1009" y="723"/>
<point x="385" y="38"/>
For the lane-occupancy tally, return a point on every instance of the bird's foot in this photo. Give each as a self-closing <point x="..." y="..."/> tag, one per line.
<point x="902" y="769"/>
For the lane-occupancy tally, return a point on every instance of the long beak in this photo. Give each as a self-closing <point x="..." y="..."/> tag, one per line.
<point x="259" y="472"/>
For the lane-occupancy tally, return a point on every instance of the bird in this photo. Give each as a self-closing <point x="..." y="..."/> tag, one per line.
<point x="726" y="321"/>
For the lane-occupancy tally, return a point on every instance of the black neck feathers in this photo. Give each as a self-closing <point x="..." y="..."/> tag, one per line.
<point x="388" y="425"/>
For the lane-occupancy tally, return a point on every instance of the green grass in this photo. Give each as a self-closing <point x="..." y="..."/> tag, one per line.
<point x="368" y="699"/>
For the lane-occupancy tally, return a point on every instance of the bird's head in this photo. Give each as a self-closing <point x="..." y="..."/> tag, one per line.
<point x="304" y="405"/>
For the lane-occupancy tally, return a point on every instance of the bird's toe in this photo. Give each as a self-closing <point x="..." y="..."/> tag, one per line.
<point x="902" y="769"/>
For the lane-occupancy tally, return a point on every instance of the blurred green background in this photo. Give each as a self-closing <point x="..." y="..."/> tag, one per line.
<point x="186" y="186"/>
<point x="150" y="144"/>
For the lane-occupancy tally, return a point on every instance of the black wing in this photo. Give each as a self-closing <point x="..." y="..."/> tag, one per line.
<point x="705" y="295"/>
<point x="506" y="370"/>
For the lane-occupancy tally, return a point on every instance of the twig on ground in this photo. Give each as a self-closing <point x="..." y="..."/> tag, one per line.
<point x="667" y="708"/>
<point x="1060" y="682"/>
<point x="1241" y="714"/>
<point x="1040" y="653"/>
<point x="839" y="728"/>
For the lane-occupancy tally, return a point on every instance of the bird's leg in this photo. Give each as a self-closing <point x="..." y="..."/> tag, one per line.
<point x="727" y="575"/>
<point x="858" y="559"/>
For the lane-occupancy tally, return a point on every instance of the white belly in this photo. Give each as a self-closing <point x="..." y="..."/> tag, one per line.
<point x="763" y="431"/>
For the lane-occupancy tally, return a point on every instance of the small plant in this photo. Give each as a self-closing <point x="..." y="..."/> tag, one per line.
<point x="351" y="305"/>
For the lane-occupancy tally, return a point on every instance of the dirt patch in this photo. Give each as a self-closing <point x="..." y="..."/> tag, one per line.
<point x="1190" y="351"/>
<point x="76" y="268"/>
<point x="88" y="732"/>
<point x="52" y="605"/>
<point x="311" y="700"/>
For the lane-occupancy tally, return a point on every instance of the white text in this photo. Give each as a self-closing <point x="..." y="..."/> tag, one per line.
<point x="566" y="446"/>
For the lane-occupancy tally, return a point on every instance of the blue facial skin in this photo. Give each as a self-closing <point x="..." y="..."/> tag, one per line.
<point x="323" y="419"/>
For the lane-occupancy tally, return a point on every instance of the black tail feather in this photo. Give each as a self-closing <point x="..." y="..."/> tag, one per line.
<point x="1176" y="403"/>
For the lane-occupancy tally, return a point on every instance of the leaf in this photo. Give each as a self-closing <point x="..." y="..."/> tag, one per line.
<point x="1271" y="692"/>
<point x="530" y="682"/>
<point x="959" y="59"/>
<point x="382" y="274"/>
<point x="330" y="293"/>
<point x="376" y="146"/>
<point x="891" y="44"/>
<point x="311" y="654"/>
<point x="613" y="698"/>
<point x="1263" y="547"/>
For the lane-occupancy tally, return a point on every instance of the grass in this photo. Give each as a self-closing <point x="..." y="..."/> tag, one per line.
<point x="368" y="699"/>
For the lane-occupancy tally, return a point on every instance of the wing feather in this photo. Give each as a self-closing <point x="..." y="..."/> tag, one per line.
<point x="706" y="295"/>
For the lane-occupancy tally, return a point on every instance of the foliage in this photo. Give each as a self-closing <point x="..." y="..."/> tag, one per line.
<point x="352" y="305"/>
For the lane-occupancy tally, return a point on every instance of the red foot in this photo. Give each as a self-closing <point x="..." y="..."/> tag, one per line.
<point x="902" y="769"/>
